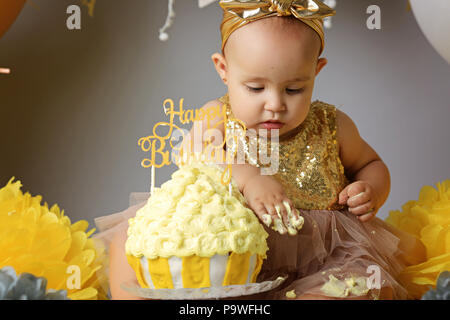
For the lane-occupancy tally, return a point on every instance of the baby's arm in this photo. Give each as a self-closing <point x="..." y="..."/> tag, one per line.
<point x="263" y="193"/>
<point x="371" y="180"/>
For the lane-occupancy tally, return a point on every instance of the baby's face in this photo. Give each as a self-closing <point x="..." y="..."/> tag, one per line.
<point x="270" y="69"/>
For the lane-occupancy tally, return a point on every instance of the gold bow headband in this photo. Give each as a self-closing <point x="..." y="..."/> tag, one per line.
<point x="238" y="13"/>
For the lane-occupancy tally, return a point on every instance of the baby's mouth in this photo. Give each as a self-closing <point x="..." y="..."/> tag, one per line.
<point x="271" y="124"/>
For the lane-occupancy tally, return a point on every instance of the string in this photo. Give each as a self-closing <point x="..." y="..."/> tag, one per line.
<point x="163" y="36"/>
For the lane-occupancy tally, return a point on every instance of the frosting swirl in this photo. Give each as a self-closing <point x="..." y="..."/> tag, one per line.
<point x="193" y="214"/>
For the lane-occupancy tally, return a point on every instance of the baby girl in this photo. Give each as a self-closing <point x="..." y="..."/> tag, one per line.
<point x="327" y="173"/>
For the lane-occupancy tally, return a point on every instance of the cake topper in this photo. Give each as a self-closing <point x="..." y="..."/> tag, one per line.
<point x="203" y="150"/>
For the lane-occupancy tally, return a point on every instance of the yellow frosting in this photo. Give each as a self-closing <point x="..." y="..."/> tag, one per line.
<point x="195" y="272"/>
<point x="160" y="272"/>
<point x="291" y="294"/>
<point x="237" y="262"/>
<point x="193" y="214"/>
<point x="343" y="288"/>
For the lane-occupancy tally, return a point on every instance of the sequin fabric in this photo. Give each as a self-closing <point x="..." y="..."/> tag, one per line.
<point x="309" y="167"/>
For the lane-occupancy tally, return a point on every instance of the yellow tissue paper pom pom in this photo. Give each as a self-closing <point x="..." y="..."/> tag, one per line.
<point x="428" y="219"/>
<point x="42" y="241"/>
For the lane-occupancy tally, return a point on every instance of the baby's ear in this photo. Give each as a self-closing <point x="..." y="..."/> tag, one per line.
<point x="220" y="63"/>
<point x="322" y="62"/>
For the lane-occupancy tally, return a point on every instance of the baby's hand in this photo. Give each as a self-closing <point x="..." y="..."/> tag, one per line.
<point x="266" y="197"/>
<point x="361" y="200"/>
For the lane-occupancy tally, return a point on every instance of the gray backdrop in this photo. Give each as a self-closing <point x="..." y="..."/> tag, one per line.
<point x="77" y="102"/>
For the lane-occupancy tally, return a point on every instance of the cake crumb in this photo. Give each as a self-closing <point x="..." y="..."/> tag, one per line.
<point x="291" y="294"/>
<point x="343" y="288"/>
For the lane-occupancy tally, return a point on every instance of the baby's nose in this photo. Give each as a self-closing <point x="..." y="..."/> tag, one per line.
<point x="275" y="106"/>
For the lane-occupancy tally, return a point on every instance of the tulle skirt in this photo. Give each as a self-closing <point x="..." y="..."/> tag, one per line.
<point x="331" y="243"/>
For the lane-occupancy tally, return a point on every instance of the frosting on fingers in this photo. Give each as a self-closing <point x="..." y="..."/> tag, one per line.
<point x="278" y="223"/>
<point x="295" y="220"/>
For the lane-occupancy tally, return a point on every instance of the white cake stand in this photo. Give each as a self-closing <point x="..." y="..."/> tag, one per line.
<point x="202" y="293"/>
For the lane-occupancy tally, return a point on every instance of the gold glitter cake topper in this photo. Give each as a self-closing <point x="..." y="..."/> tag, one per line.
<point x="155" y="144"/>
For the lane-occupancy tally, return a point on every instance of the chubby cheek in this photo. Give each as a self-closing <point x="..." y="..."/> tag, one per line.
<point x="300" y="115"/>
<point x="304" y="104"/>
<point x="246" y="108"/>
<point x="248" y="113"/>
<point x="296" y="115"/>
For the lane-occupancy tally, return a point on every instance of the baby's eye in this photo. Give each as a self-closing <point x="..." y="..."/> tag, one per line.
<point x="294" y="91"/>
<point x="254" y="89"/>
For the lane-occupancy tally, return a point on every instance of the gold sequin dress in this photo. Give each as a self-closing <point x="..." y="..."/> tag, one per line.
<point x="333" y="243"/>
<point x="309" y="166"/>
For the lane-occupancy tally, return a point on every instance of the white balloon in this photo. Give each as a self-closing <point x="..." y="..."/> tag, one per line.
<point x="433" y="17"/>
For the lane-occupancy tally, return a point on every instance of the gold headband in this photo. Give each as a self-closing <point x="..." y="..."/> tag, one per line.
<point x="238" y="13"/>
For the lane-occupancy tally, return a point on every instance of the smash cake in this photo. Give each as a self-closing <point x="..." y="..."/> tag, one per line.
<point x="195" y="233"/>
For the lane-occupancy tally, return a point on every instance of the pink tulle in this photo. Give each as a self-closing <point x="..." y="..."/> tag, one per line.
<point x="110" y="224"/>
<point x="336" y="242"/>
<point x="330" y="242"/>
